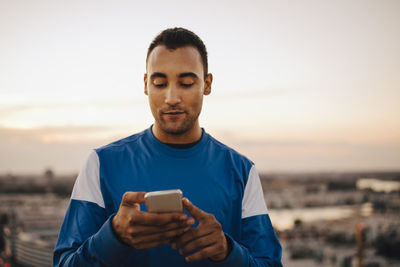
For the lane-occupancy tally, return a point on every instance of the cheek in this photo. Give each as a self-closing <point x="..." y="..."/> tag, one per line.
<point x="196" y="101"/>
<point x="154" y="102"/>
<point x="155" y="98"/>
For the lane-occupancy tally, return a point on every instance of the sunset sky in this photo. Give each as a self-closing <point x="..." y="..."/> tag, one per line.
<point x="298" y="85"/>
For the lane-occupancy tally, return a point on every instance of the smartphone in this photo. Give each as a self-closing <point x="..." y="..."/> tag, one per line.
<point x="164" y="201"/>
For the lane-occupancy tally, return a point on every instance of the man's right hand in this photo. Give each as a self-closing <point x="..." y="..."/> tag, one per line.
<point x="143" y="230"/>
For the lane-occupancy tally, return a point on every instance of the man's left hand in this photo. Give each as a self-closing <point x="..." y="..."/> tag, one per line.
<point x="207" y="238"/>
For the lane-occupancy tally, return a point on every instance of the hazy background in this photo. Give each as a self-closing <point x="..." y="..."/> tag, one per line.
<point x="298" y="85"/>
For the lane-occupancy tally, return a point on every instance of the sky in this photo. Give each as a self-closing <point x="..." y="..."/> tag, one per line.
<point x="298" y="85"/>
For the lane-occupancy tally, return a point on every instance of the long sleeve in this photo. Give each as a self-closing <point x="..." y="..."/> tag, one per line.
<point x="258" y="244"/>
<point x="86" y="237"/>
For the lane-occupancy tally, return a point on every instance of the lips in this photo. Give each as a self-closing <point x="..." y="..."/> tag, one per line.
<point x="173" y="115"/>
<point x="173" y="112"/>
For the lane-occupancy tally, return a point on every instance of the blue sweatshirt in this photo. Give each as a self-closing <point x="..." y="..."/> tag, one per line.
<point x="213" y="176"/>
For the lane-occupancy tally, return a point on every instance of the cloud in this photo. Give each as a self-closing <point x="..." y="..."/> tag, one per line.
<point x="320" y="156"/>
<point x="62" y="148"/>
<point x="10" y="109"/>
<point x="257" y="93"/>
<point x="65" y="149"/>
<point x="65" y="134"/>
<point x="272" y="153"/>
<point x="111" y="112"/>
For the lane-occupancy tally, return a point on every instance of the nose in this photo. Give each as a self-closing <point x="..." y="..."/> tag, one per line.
<point x="172" y="96"/>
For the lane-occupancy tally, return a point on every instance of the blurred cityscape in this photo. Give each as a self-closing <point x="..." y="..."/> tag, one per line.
<point x="321" y="219"/>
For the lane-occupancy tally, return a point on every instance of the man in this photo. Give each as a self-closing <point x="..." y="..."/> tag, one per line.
<point x="227" y="221"/>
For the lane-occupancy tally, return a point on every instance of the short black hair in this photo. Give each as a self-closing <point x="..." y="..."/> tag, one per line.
<point x="177" y="37"/>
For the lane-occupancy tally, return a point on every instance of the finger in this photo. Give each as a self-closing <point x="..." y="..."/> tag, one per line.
<point x="138" y="241"/>
<point x="204" y="253"/>
<point x="150" y="245"/>
<point x="154" y="219"/>
<point x="197" y="213"/>
<point x="197" y="244"/>
<point x="132" y="198"/>
<point x="190" y="235"/>
<point x="146" y="229"/>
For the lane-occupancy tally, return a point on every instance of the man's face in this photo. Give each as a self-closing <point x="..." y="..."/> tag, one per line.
<point x="175" y="85"/>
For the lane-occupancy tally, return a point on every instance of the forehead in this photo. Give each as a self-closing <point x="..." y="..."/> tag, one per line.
<point x="175" y="61"/>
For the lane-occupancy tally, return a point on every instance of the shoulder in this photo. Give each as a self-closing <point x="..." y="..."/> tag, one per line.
<point x="219" y="146"/>
<point x="231" y="155"/>
<point x="121" y="144"/>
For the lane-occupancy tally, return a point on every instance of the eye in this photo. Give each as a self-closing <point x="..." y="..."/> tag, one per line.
<point x="160" y="82"/>
<point x="160" y="85"/>
<point x="186" y="85"/>
<point x="186" y="82"/>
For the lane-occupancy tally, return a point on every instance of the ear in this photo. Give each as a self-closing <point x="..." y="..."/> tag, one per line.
<point x="207" y="84"/>
<point x="146" y="92"/>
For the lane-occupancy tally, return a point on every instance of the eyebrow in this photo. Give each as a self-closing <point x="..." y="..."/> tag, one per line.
<point x="158" y="74"/>
<point x="182" y="75"/>
<point x="188" y="74"/>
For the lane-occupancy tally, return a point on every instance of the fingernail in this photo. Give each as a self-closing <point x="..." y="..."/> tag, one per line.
<point x="183" y="217"/>
<point x="186" y="229"/>
<point x="190" y="221"/>
<point x="187" y="258"/>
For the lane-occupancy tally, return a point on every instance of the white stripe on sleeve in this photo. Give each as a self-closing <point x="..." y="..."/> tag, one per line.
<point x="253" y="202"/>
<point x="87" y="185"/>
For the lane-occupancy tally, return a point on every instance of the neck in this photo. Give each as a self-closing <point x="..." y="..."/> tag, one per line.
<point x="190" y="136"/>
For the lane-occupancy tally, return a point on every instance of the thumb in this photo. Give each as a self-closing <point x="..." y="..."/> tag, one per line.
<point x="197" y="213"/>
<point x="133" y="198"/>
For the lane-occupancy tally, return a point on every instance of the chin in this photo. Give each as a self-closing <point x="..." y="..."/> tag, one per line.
<point x="175" y="129"/>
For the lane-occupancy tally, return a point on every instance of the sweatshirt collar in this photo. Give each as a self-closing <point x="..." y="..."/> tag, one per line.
<point x="177" y="152"/>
